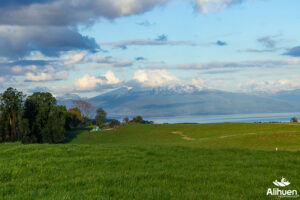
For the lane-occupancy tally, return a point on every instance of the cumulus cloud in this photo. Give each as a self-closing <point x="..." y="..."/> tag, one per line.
<point x="48" y="26"/>
<point x="163" y="78"/>
<point x="110" y="78"/>
<point x="22" y="67"/>
<point x="33" y="71"/>
<point x="199" y="83"/>
<point x="19" y="41"/>
<point x="154" y="78"/>
<point x="91" y="82"/>
<point x="66" y="12"/>
<point x="87" y="82"/>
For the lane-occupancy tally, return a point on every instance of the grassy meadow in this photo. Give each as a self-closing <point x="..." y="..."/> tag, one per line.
<point x="172" y="161"/>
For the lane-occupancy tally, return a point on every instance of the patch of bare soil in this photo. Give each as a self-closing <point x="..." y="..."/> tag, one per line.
<point x="184" y="137"/>
<point x="290" y="134"/>
<point x="226" y="136"/>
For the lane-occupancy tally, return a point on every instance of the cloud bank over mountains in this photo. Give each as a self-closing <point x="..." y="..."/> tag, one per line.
<point x="158" y="79"/>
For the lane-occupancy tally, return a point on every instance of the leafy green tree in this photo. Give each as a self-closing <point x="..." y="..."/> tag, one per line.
<point x="100" y="116"/>
<point x="46" y="120"/>
<point x="75" y="115"/>
<point x="114" y="123"/>
<point x="138" y="119"/>
<point x="11" y="125"/>
<point x="294" y="119"/>
<point x="57" y="124"/>
<point x="37" y="111"/>
<point x="126" y="120"/>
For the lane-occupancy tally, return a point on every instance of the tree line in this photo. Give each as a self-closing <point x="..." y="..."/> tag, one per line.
<point x="35" y="119"/>
<point x="38" y="119"/>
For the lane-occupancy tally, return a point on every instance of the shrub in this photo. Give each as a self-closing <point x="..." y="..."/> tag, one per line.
<point x="137" y="119"/>
<point x="100" y="116"/>
<point x="114" y="123"/>
<point x="294" y="119"/>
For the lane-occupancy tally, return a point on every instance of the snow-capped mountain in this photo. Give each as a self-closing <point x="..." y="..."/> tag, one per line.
<point x="187" y="100"/>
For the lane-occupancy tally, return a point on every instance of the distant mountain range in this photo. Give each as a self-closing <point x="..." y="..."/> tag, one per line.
<point x="178" y="101"/>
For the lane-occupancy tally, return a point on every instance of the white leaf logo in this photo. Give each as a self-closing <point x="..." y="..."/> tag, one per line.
<point x="282" y="183"/>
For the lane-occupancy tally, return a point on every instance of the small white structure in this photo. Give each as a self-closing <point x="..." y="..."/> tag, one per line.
<point x="97" y="129"/>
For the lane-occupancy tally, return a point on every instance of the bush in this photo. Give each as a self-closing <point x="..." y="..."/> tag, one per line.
<point x="126" y="120"/>
<point x="294" y="119"/>
<point x="114" y="123"/>
<point x="100" y="116"/>
<point x="137" y="119"/>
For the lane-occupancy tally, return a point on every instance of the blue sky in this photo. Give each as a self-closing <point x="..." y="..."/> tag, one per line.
<point x="95" y="46"/>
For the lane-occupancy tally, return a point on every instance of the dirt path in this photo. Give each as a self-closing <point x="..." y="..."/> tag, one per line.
<point x="226" y="136"/>
<point x="184" y="137"/>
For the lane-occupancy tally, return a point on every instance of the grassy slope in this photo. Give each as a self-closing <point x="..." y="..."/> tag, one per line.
<point x="150" y="162"/>
<point x="265" y="136"/>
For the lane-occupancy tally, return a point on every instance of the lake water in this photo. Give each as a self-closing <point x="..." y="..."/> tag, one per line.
<point x="259" y="117"/>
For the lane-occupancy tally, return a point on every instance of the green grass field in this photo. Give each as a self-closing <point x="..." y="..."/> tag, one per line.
<point x="205" y="161"/>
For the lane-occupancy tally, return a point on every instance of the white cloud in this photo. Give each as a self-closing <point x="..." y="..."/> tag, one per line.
<point x="87" y="82"/>
<point x="154" y="78"/>
<point x="38" y="77"/>
<point x="205" y="6"/>
<point x="74" y="57"/>
<point x="45" y="76"/>
<point x="92" y="82"/>
<point x="111" y="78"/>
<point x="20" y="69"/>
<point x="198" y="83"/>
<point x="271" y="85"/>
